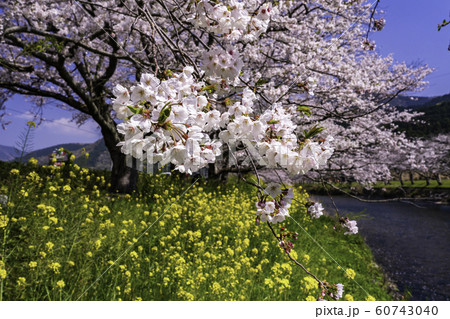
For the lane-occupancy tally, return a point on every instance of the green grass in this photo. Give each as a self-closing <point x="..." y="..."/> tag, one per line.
<point x="354" y="187"/>
<point x="61" y="231"/>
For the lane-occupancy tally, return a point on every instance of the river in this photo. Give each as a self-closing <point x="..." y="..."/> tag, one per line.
<point x="410" y="243"/>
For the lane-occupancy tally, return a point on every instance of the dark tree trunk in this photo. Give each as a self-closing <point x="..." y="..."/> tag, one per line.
<point x="400" y="177"/>
<point x="438" y="179"/>
<point x="411" y="178"/>
<point x="123" y="177"/>
<point x="211" y="170"/>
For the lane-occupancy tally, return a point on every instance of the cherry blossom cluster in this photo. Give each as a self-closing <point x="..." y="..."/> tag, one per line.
<point x="219" y="63"/>
<point x="334" y="291"/>
<point x="316" y="210"/>
<point x="379" y="24"/>
<point x="274" y="135"/>
<point x="274" y="206"/>
<point x="167" y="122"/>
<point x="352" y="229"/>
<point x="339" y="291"/>
<point x="232" y="19"/>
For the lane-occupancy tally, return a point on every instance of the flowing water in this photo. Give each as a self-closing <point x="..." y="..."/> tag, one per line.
<point x="410" y="243"/>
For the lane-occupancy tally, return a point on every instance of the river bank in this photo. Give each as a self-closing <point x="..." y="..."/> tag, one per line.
<point x="409" y="242"/>
<point x="433" y="195"/>
<point x="419" y="191"/>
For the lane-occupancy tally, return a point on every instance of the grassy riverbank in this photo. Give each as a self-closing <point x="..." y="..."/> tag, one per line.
<point x="419" y="190"/>
<point x="417" y="184"/>
<point x="64" y="237"/>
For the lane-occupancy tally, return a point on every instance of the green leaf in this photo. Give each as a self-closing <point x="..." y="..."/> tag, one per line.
<point x="261" y="81"/>
<point x="135" y="110"/>
<point x="313" y="132"/>
<point x="304" y="109"/>
<point x="164" y="114"/>
<point x="210" y="88"/>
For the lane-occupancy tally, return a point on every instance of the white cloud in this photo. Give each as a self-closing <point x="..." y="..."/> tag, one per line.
<point x="62" y="130"/>
<point x="29" y="116"/>
<point x="65" y="126"/>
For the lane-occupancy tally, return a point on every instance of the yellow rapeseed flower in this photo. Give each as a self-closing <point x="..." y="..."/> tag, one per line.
<point x="3" y="221"/>
<point x="310" y="298"/>
<point x="166" y="281"/>
<point x="269" y="282"/>
<point x="49" y="245"/>
<point x="370" y="298"/>
<point x="134" y="255"/>
<point x="216" y="288"/>
<point x="60" y="284"/>
<point x="348" y="297"/>
<point x="309" y="283"/>
<point x="55" y="267"/>
<point x="104" y="210"/>
<point x="32" y="264"/>
<point x="2" y="270"/>
<point x="306" y="258"/>
<point x="14" y="172"/>
<point x="21" y="281"/>
<point x="350" y="273"/>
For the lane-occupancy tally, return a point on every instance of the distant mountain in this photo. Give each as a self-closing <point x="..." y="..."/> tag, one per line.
<point x="434" y="121"/>
<point x="98" y="154"/>
<point x="409" y="102"/>
<point x="8" y="153"/>
<point x="415" y="102"/>
<point x="438" y="100"/>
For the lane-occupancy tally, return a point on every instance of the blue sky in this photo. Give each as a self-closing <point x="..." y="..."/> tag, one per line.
<point x="56" y="129"/>
<point x="410" y="35"/>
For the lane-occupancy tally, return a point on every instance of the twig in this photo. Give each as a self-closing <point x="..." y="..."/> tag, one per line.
<point x="296" y="262"/>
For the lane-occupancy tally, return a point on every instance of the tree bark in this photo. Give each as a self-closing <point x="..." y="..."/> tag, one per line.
<point x="438" y="179"/>
<point x="123" y="177"/>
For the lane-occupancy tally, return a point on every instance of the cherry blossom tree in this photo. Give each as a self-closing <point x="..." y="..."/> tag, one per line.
<point x="428" y="157"/>
<point x="314" y="55"/>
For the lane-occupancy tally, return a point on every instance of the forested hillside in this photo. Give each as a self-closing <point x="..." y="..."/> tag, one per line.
<point x="434" y="121"/>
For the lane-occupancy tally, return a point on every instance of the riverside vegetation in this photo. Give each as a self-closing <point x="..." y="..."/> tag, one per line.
<point x="64" y="237"/>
